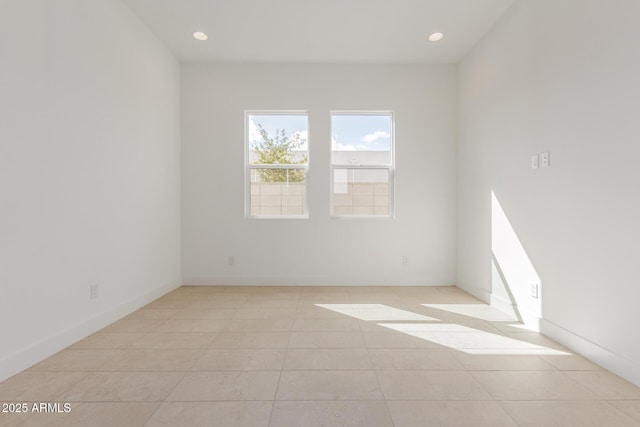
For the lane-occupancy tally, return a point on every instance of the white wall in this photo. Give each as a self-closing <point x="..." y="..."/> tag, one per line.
<point x="558" y="76"/>
<point x="89" y="172"/>
<point x="319" y="250"/>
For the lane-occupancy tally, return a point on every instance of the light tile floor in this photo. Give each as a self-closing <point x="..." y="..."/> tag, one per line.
<point x="320" y="356"/>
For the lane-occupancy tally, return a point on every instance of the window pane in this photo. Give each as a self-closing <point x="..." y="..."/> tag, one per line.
<point x="278" y="192"/>
<point x="360" y="192"/>
<point x="278" y="139"/>
<point x="361" y="139"/>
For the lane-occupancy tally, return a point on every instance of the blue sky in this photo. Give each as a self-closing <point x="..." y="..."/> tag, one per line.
<point x="349" y="132"/>
<point x="275" y="123"/>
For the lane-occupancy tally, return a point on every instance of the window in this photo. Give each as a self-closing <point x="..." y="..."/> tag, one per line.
<point x="362" y="164"/>
<point x="277" y="160"/>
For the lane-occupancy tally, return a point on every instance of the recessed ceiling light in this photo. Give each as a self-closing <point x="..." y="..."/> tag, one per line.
<point x="199" y="35"/>
<point x="436" y="37"/>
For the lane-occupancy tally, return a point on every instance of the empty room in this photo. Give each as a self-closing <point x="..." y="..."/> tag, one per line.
<point x="319" y="213"/>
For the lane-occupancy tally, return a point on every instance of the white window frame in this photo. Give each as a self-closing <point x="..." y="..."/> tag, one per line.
<point x="389" y="167"/>
<point x="249" y="166"/>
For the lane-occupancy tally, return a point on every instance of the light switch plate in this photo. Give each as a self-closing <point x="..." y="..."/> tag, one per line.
<point x="544" y="159"/>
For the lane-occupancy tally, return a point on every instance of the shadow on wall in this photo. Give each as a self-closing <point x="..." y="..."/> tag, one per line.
<point x="515" y="285"/>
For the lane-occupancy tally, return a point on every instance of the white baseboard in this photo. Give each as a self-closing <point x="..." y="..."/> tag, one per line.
<point x="500" y="303"/>
<point x="531" y="320"/>
<point x="305" y="281"/>
<point x="606" y="358"/>
<point x="588" y="349"/>
<point x="479" y="293"/>
<point x="36" y="352"/>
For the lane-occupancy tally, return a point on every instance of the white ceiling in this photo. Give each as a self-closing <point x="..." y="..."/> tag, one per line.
<point x="328" y="31"/>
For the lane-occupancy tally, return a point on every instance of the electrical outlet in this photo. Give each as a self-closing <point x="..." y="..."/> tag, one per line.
<point x="232" y="260"/>
<point x="405" y="260"/>
<point x="534" y="161"/>
<point x="534" y="290"/>
<point x="93" y="292"/>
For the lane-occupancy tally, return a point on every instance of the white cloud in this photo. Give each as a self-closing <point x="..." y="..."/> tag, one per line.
<point x="336" y="146"/>
<point x="302" y="134"/>
<point x="373" y="137"/>
<point x="304" y="137"/>
<point x="254" y="134"/>
<point x="255" y="137"/>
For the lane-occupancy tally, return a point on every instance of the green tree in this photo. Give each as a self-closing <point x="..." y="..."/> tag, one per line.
<point x="278" y="150"/>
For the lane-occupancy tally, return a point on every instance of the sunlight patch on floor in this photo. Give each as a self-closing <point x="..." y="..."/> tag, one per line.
<point x="376" y="312"/>
<point x="478" y="311"/>
<point x="445" y="333"/>
<point x="427" y="327"/>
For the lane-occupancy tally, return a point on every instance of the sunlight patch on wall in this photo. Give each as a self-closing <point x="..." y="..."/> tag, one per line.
<point x="513" y="273"/>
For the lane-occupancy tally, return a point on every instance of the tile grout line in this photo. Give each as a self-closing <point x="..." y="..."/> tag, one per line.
<point x="499" y="403"/>
<point x="284" y="359"/>
<point x="375" y="372"/>
<point x="361" y="328"/>
<point x="150" y="417"/>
